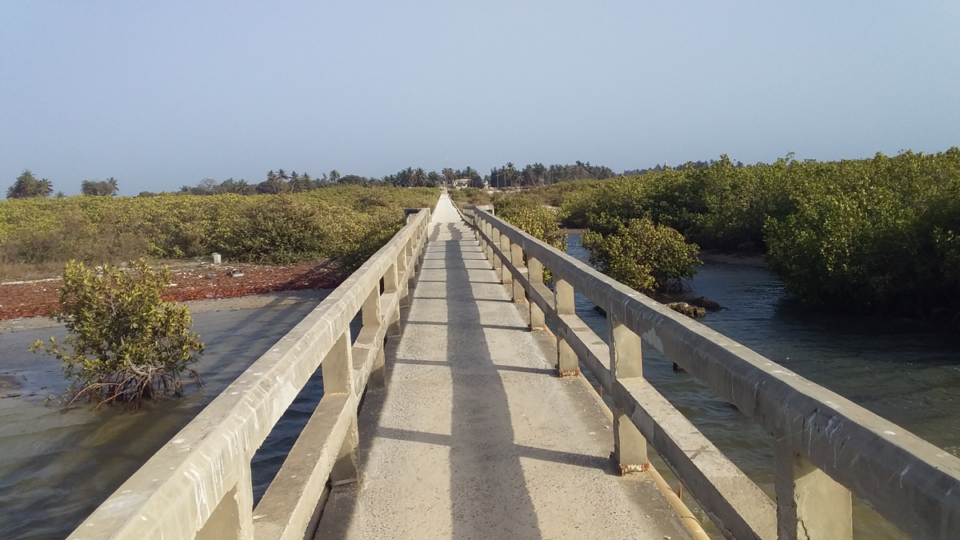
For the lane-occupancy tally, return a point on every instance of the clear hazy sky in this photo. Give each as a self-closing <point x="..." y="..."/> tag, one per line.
<point x="162" y="94"/>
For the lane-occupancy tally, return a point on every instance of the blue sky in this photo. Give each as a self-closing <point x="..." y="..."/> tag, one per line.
<point x="162" y="94"/>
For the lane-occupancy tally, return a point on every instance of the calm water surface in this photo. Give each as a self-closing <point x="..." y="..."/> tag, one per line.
<point x="57" y="467"/>
<point x="903" y="371"/>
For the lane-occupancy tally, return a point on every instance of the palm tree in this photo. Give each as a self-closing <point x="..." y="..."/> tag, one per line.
<point x="27" y="185"/>
<point x="274" y="183"/>
<point x="419" y="178"/>
<point x="243" y="188"/>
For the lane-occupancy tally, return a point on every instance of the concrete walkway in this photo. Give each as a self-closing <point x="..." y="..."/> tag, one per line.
<point x="475" y="437"/>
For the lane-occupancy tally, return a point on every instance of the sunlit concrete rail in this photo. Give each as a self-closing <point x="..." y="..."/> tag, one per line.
<point x="199" y="484"/>
<point x="825" y="446"/>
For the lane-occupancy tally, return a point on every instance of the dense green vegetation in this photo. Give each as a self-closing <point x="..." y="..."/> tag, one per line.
<point x="469" y="197"/>
<point x="647" y="257"/>
<point x="346" y="224"/>
<point x="527" y="214"/>
<point x="878" y="235"/>
<point x="124" y="343"/>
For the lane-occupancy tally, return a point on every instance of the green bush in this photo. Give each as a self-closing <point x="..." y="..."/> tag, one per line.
<point x="528" y="215"/>
<point x="124" y="343"/>
<point x="875" y="236"/>
<point x="644" y="256"/>
<point x="469" y="197"/>
<point x="277" y="229"/>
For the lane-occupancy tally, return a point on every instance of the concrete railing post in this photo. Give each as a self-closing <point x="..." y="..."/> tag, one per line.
<point x="481" y="234"/>
<point x="477" y="224"/>
<point x="810" y="504"/>
<point x="410" y="255"/>
<point x="481" y="230"/>
<point x="232" y="519"/>
<point x="338" y="379"/>
<point x="372" y="316"/>
<point x="567" y="362"/>
<point x="626" y="362"/>
<point x="391" y="285"/>
<point x="535" y="276"/>
<point x="516" y="257"/>
<point x="506" y="277"/>
<point x="422" y="240"/>
<point x="403" y="288"/>
<point x="497" y="264"/>
<point x="488" y="246"/>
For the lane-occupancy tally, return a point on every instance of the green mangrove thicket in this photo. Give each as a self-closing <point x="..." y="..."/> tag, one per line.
<point x="346" y="224"/>
<point x="878" y="235"/>
<point x="527" y="214"/>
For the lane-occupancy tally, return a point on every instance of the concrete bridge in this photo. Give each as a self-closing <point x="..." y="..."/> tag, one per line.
<point x="475" y="421"/>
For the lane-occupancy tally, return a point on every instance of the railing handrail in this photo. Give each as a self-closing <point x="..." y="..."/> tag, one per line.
<point x="174" y="494"/>
<point x="855" y="447"/>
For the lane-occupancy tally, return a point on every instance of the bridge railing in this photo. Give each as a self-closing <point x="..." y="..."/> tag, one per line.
<point x="199" y="484"/>
<point x="825" y="446"/>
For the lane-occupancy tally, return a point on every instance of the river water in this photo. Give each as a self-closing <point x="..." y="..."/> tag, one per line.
<point x="57" y="466"/>
<point x="901" y="370"/>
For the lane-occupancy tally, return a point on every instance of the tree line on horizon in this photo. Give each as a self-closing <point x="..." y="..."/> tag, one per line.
<point x="27" y="185"/>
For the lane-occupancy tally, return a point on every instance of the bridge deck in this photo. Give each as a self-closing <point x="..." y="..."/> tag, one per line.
<point x="474" y="435"/>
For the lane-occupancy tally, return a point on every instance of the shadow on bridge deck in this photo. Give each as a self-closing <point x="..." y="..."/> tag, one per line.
<point x="474" y="435"/>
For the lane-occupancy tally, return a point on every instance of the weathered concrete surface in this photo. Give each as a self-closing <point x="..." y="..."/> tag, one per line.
<point x="474" y="435"/>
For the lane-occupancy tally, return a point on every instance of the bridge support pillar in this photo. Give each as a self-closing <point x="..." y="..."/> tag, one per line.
<point x="567" y="362"/>
<point x="626" y="362"/>
<point x="534" y="276"/>
<point x="810" y="504"/>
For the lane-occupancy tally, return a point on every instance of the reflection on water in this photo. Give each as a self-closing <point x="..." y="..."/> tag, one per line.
<point x="903" y="371"/>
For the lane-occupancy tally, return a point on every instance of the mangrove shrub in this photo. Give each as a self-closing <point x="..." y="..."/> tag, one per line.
<point x="528" y="215"/>
<point x="124" y="343"/>
<point x="647" y="257"/>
